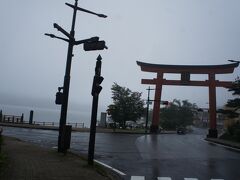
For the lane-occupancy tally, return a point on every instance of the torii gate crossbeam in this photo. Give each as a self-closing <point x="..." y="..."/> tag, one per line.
<point x="185" y="72"/>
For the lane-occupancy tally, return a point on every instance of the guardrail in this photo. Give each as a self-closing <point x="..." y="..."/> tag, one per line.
<point x="43" y="123"/>
<point x="76" y="125"/>
<point x="20" y="120"/>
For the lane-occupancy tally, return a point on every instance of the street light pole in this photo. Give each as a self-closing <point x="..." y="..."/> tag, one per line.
<point x="91" y="44"/>
<point x="66" y="84"/>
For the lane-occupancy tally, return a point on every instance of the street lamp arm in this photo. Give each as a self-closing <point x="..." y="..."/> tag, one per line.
<point x="57" y="37"/>
<point x="50" y="35"/>
<point x="230" y="60"/>
<point x="92" y="39"/>
<point x="64" y="39"/>
<point x="59" y="28"/>
<point x="87" y="11"/>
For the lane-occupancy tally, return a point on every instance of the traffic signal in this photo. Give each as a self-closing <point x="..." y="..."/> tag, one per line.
<point x="96" y="88"/>
<point x="59" y="98"/>
<point x="95" y="45"/>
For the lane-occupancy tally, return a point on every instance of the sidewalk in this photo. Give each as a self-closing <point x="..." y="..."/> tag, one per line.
<point x="224" y="142"/>
<point x="30" y="162"/>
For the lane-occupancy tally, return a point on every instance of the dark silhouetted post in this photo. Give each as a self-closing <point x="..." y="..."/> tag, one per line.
<point x="92" y="44"/>
<point x="31" y="117"/>
<point x="1" y="115"/>
<point x="96" y="89"/>
<point x="22" y="117"/>
<point x="146" y="125"/>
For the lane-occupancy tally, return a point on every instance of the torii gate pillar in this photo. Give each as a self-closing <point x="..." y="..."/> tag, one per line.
<point x="185" y="72"/>
<point x="156" y="105"/>
<point x="212" y="106"/>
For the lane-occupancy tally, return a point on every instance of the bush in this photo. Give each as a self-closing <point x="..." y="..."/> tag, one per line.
<point x="236" y="135"/>
<point x="1" y="141"/>
<point x="230" y="130"/>
<point x="233" y="133"/>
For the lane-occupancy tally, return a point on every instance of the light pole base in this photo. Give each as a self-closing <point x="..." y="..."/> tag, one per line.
<point x="212" y="133"/>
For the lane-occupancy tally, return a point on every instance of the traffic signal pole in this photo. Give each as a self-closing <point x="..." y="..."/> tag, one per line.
<point x="95" y="92"/>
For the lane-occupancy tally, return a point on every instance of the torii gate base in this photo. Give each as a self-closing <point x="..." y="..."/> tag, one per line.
<point x="186" y="71"/>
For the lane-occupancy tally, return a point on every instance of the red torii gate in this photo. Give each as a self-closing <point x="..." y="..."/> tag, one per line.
<point x="186" y="71"/>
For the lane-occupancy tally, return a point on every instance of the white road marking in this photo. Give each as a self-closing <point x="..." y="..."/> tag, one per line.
<point x="190" y="179"/>
<point x="137" y="178"/>
<point x="217" y="179"/>
<point x="164" y="178"/>
<point x="117" y="171"/>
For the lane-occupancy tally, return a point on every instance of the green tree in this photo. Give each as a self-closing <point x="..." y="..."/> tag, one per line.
<point x="177" y="114"/>
<point x="127" y="105"/>
<point x="233" y="131"/>
<point x="233" y="104"/>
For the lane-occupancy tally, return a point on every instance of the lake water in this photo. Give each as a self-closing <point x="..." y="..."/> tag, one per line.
<point x="48" y="114"/>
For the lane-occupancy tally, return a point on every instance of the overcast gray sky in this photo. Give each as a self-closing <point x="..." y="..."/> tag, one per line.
<point x="191" y="32"/>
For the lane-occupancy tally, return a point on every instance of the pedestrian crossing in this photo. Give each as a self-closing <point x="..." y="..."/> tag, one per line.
<point x="165" y="178"/>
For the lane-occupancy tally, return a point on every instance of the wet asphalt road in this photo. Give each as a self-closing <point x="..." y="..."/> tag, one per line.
<point x="165" y="155"/>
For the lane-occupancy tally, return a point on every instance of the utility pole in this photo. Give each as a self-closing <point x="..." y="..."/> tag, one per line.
<point x="148" y="102"/>
<point x="96" y="89"/>
<point x="89" y="44"/>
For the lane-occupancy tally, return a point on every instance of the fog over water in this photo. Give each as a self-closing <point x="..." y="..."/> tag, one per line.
<point x="46" y="111"/>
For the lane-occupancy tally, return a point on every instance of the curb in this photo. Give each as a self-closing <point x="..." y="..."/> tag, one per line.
<point x="224" y="142"/>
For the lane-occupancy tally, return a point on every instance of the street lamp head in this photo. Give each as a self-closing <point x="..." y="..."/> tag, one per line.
<point x="102" y="15"/>
<point x="94" y="39"/>
<point x="230" y="60"/>
<point x="92" y="46"/>
<point x="55" y="25"/>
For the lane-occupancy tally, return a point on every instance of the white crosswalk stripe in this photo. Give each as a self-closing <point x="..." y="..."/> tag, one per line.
<point x="137" y="178"/>
<point x="164" y="178"/>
